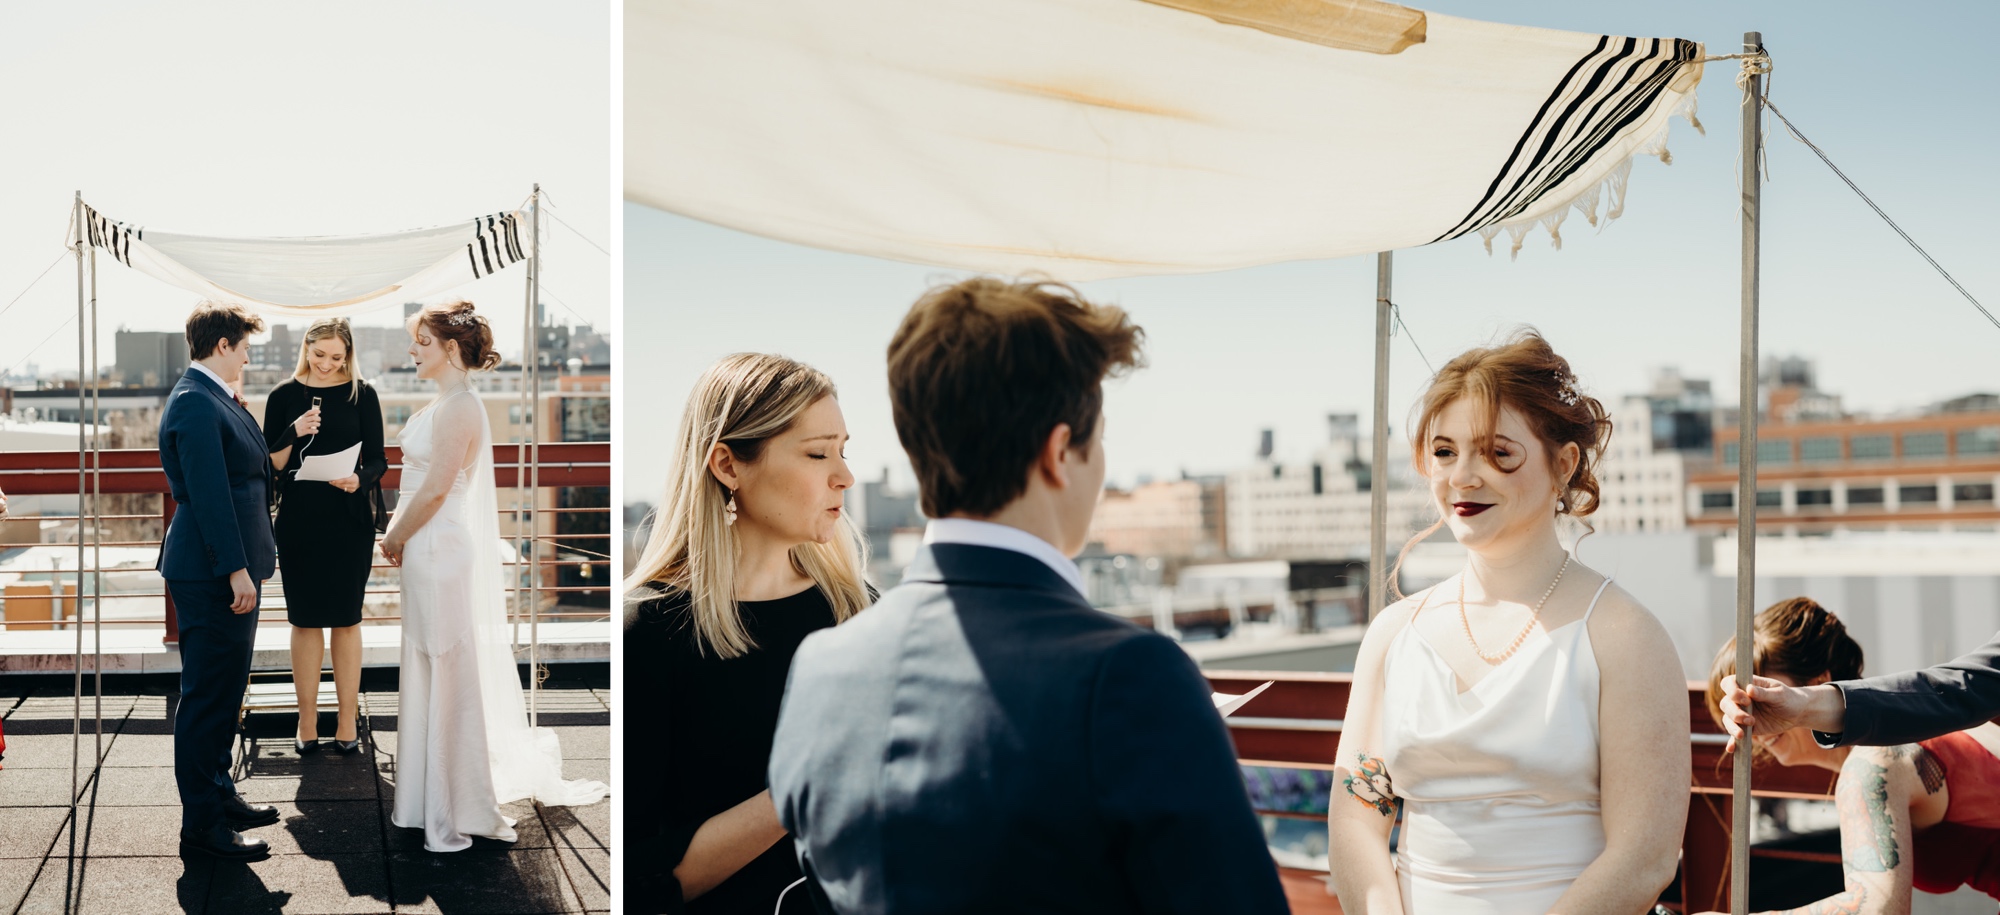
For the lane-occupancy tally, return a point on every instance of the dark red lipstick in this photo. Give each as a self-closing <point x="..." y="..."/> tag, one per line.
<point x="1468" y="509"/>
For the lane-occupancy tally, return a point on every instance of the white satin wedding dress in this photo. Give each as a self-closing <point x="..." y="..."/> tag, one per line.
<point x="1500" y="782"/>
<point x="462" y="738"/>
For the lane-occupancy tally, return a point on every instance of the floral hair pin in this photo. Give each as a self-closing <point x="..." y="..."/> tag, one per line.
<point x="1566" y="389"/>
<point x="463" y="317"/>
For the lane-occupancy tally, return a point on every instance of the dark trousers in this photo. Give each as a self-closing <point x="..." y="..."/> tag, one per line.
<point x="215" y="669"/>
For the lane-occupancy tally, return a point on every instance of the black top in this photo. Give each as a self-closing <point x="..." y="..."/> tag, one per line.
<point x="342" y="423"/>
<point x="698" y="741"/>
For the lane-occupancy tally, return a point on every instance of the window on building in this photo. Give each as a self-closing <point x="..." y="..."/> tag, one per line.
<point x="1866" y="495"/>
<point x="1730" y="452"/>
<point x="396" y="415"/>
<point x="1871" y="447"/>
<point x="1972" y="492"/>
<point x="1770" y="498"/>
<point x="1774" y="451"/>
<point x="1819" y="450"/>
<point x="1983" y="440"/>
<point x="1807" y="497"/>
<point x="1923" y="444"/>
<point x="586" y="419"/>
<point x="1718" y="501"/>
<point x="1918" y="494"/>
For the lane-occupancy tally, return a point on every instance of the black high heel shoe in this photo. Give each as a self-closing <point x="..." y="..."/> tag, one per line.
<point x="346" y="747"/>
<point x="302" y="747"/>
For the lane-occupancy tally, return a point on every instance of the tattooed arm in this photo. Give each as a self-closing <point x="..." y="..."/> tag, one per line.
<point x="1364" y="803"/>
<point x="1874" y="795"/>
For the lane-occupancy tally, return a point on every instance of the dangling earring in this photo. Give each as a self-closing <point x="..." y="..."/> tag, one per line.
<point x="729" y="510"/>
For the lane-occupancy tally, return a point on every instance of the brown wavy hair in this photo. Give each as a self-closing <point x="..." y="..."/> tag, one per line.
<point x="1523" y="373"/>
<point x="456" y="323"/>
<point x="1797" y="639"/>
<point x="982" y="370"/>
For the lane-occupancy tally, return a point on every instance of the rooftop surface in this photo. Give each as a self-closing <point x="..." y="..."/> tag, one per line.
<point x="333" y="849"/>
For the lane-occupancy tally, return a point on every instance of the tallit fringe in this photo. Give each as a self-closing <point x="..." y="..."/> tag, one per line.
<point x="1610" y="191"/>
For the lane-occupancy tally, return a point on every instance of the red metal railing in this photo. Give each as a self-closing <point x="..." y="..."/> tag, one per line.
<point x="1295" y="724"/>
<point x="137" y="472"/>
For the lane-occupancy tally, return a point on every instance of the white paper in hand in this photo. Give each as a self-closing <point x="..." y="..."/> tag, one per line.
<point x="329" y="467"/>
<point x="1226" y="703"/>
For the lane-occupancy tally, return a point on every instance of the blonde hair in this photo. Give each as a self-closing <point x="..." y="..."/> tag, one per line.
<point x="742" y="401"/>
<point x="320" y="330"/>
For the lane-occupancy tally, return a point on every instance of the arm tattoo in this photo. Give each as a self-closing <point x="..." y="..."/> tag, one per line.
<point x="1929" y="770"/>
<point x="1868" y="802"/>
<point x="1368" y="782"/>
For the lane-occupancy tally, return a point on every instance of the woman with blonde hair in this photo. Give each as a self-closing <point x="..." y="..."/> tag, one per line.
<point x="326" y="529"/>
<point x="1527" y="718"/>
<point x="750" y="552"/>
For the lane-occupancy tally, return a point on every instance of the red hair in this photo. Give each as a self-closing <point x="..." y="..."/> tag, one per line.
<point x="1526" y="375"/>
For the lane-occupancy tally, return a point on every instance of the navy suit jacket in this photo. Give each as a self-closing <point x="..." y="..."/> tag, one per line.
<point x="220" y="476"/>
<point x="1918" y="705"/>
<point x="983" y="740"/>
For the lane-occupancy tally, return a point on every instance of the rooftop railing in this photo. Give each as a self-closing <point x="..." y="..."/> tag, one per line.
<point x="1292" y="726"/>
<point x="47" y="596"/>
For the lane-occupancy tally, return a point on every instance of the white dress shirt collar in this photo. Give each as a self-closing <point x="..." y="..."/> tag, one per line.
<point x="205" y="370"/>
<point x="1000" y="536"/>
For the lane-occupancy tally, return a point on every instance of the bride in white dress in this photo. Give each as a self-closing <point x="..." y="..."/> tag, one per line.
<point x="463" y="742"/>
<point x="1527" y="718"/>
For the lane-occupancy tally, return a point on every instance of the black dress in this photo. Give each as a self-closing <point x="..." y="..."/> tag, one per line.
<point x="326" y="537"/>
<point x="698" y="734"/>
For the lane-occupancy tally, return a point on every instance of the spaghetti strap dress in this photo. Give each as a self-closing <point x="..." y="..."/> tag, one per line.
<point x="1499" y="782"/>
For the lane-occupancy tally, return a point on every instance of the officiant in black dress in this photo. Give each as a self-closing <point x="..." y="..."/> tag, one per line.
<point x="326" y="529"/>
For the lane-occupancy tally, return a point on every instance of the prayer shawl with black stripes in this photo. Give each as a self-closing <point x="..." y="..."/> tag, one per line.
<point x="1099" y="138"/>
<point x="319" y="276"/>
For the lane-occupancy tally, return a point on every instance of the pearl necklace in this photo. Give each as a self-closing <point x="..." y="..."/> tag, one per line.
<point x="1534" y="618"/>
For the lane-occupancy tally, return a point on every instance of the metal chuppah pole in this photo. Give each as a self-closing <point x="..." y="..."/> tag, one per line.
<point x="96" y="520"/>
<point x="532" y="364"/>
<point x="82" y="489"/>
<point x="1378" y="475"/>
<point x="1746" y="473"/>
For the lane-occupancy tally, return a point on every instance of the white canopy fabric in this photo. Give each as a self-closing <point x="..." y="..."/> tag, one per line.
<point x="1098" y="138"/>
<point x="321" y="276"/>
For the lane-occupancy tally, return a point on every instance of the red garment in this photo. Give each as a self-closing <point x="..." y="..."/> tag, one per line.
<point x="1964" y="850"/>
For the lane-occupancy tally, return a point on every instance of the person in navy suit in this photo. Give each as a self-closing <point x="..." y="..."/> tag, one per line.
<point x="983" y="739"/>
<point x="217" y="554"/>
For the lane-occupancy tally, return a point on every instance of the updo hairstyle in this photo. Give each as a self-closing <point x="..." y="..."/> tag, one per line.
<point x="1524" y="374"/>
<point x="456" y="323"/>
<point x="1797" y="639"/>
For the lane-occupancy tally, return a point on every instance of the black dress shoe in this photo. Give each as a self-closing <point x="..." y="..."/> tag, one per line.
<point x="347" y="746"/>
<point x="242" y="814"/>
<point x="302" y="747"/>
<point x="225" y="843"/>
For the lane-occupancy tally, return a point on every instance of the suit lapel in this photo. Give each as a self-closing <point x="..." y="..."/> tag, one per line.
<point x="229" y="405"/>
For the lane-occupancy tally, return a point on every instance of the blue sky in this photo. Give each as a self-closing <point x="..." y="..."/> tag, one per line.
<point x="228" y="117"/>
<point x="1903" y="101"/>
